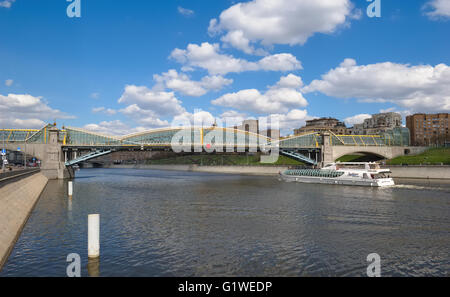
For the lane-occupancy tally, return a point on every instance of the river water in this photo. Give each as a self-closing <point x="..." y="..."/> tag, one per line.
<point x="167" y="223"/>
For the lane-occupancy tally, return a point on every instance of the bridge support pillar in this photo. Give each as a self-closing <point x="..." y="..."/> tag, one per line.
<point x="52" y="163"/>
<point x="327" y="150"/>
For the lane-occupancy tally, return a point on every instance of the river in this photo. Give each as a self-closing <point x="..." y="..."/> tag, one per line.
<point x="168" y="223"/>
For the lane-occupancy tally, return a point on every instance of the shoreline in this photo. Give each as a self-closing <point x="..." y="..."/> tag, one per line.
<point x="413" y="171"/>
<point x="17" y="201"/>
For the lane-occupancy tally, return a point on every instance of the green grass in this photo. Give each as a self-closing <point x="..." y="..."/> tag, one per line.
<point x="219" y="160"/>
<point x="432" y="156"/>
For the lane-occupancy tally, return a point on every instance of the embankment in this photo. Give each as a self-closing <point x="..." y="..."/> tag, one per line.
<point x="17" y="200"/>
<point x="250" y="170"/>
<point x="420" y="172"/>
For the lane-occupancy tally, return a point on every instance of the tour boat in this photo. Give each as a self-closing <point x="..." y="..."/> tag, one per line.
<point x="345" y="173"/>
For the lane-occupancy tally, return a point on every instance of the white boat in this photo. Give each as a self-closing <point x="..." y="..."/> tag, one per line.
<point x="353" y="174"/>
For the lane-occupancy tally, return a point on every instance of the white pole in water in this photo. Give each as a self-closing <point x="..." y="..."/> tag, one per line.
<point x="94" y="236"/>
<point x="70" y="189"/>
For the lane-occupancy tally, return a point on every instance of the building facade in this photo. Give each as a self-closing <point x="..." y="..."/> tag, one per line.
<point x="323" y="125"/>
<point x="428" y="129"/>
<point x="378" y="124"/>
<point x="249" y="126"/>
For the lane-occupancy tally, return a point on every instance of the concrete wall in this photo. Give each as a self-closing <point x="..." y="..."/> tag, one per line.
<point x="17" y="200"/>
<point x="250" y="170"/>
<point x="51" y="156"/>
<point x="422" y="172"/>
<point x="387" y="152"/>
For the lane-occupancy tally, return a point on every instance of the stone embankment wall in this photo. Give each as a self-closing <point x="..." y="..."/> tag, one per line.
<point x="17" y="200"/>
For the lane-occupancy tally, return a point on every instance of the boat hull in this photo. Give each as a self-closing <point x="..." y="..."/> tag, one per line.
<point x="382" y="182"/>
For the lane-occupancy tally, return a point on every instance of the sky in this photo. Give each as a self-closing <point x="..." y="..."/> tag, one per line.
<point x="128" y="66"/>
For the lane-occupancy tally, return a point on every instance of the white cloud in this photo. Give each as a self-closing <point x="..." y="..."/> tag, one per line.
<point x="198" y="118"/>
<point x="114" y="128"/>
<point x="148" y="118"/>
<point x="357" y="119"/>
<point x="293" y="119"/>
<point x="439" y="9"/>
<point x="237" y="40"/>
<point x="181" y="82"/>
<point x="290" y="81"/>
<point x="6" y="3"/>
<point x="417" y="88"/>
<point x="104" y="110"/>
<point x="26" y="111"/>
<point x="277" y="99"/>
<point x="280" y="22"/>
<point x="9" y="82"/>
<point x="163" y="103"/>
<point x="208" y="56"/>
<point x="232" y="118"/>
<point x="95" y="95"/>
<point x="184" y="11"/>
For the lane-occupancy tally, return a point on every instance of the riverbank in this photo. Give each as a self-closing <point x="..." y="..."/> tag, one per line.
<point x="17" y="200"/>
<point x="247" y="170"/>
<point x="418" y="172"/>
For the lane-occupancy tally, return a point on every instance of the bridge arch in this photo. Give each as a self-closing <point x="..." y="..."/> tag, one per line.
<point x="377" y="152"/>
<point x="364" y="156"/>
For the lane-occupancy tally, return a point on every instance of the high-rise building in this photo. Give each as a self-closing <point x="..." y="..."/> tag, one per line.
<point x="428" y="129"/>
<point x="378" y="123"/>
<point x="323" y="125"/>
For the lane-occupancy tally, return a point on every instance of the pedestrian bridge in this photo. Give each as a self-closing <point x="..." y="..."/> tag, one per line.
<point x="69" y="146"/>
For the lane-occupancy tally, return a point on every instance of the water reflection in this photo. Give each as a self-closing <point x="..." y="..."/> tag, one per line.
<point x="157" y="223"/>
<point x="93" y="267"/>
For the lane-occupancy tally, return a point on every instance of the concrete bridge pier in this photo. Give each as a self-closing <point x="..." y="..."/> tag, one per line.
<point x="327" y="150"/>
<point x="53" y="166"/>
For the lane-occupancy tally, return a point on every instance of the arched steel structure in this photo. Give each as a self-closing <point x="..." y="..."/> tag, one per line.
<point x="167" y="137"/>
<point x="215" y="136"/>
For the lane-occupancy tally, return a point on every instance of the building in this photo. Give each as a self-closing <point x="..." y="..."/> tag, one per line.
<point x="271" y="133"/>
<point x="249" y="126"/>
<point x="378" y="124"/>
<point x="428" y="129"/>
<point x="323" y="125"/>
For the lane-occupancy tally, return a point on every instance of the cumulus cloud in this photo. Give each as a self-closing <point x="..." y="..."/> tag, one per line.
<point x="9" y="82"/>
<point x="114" y="128"/>
<point x="277" y="99"/>
<point x="295" y="118"/>
<point x="439" y="9"/>
<point x="148" y="107"/>
<point x="181" y="82"/>
<point x="417" y="88"/>
<point x="207" y="56"/>
<point x="160" y="102"/>
<point x="6" y="3"/>
<point x="197" y="118"/>
<point x="280" y="22"/>
<point x="104" y="110"/>
<point x="26" y="111"/>
<point x="146" y="117"/>
<point x="357" y="119"/>
<point x="186" y="12"/>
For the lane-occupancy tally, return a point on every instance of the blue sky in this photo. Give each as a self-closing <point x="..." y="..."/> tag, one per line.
<point x="298" y="59"/>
